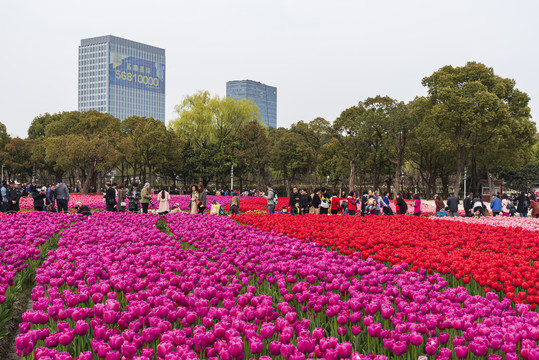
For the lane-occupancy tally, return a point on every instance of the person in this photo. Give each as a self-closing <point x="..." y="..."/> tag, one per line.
<point x="121" y="197"/>
<point x="163" y="197"/>
<point x="352" y="203"/>
<point x="335" y="204"/>
<point x="50" y="199"/>
<point x="134" y="198"/>
<point x="371" y="204"/>
<point x="304" y="202"/>
<point x="62" y="196"/>
<point x="439" y="203"/>
<point x="270" y="197"/>
<point x="202" y="196"/>
<point x="5" y="203"/>
<point x="235" y="204"/>
<point x="195" y="201"/>
<point x="39" y="198"/>
<point x="110" y="197"/>
<point x="316" y="201"/>
<point x="506" y="205"/>
<point x="145" y="198"/>
<point x="453" y="205"/>
<point x="364" y="200"/>
<point x="385" y="199"/>
<point x="379" y="203"/>
<point x="175" y="208"/>
<point x="496" y="205"/>
<point x="325" y="202"/>
<point x="467" y="203"/>
<point x="534" y="206"/>
<point x="294" y="199"/>
<point x="417" y="205"/>
<point x="32" y="188"/>
<point x="401" y="205"/>
<point x="522" y="205"/>
<point x="478" y="206"/>
<point x="13" y="195"/>
<point x="442" y="212"/>
<point x="284" y="211"/>
<point x="82" y="209"/>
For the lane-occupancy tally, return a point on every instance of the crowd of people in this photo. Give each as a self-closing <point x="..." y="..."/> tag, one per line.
<point x="372" y="203"/>
<point x="46" y="198"/>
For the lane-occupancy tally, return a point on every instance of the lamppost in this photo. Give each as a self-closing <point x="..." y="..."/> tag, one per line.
<point x="232" y="178"/>
<point x="3" y="172"/>
<point x="465" y="176"/>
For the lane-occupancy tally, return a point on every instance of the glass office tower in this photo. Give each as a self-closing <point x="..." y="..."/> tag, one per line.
<point x="263" y="95"/>
<point x="121" y="77"/>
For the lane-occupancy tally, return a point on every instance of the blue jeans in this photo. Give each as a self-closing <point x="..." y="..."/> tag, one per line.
<point x="271" y="209"/>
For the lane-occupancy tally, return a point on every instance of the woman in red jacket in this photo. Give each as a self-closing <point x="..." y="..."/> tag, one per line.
<point x="352" y="203"/>
<point x="335" y="204"/>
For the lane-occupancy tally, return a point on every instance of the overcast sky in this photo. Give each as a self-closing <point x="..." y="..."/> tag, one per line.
<point x="323" y="56"/>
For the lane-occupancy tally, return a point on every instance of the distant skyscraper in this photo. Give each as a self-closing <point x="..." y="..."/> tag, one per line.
<point x="263" y="95"/>
<point x="121" y="77"/>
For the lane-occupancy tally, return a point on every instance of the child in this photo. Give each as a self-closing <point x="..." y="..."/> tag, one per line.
<point x="283" y="211"/>
<point x="296" y="210"/>
<point x="442" y="212"/>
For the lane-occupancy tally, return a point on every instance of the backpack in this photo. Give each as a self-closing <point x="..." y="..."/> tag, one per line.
<point x="275" y="197"/>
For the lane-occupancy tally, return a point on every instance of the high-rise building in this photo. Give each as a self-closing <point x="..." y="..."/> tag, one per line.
<point x="263" y="95"/>
<point x="121" y="77"/>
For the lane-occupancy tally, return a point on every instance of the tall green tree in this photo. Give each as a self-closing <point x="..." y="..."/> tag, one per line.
<point x="392" y="124"/>
<point x="472" y="104"/>
<point x="314" y="135"/>
<point x="353" y="132"/>
<point x="83" y="142"/>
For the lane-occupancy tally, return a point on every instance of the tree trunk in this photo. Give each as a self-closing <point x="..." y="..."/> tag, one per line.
<point x="491" y="184"/>
<point x="445" y="185"/>
<point x="99" y="182"/>
<point x="86" y="183"/>
<point x="352" y="178"/>
<point x="461" y="160"/>
<point x="397" y="180"/>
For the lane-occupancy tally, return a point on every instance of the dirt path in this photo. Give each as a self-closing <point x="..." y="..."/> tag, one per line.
<point x="7" y="344"/>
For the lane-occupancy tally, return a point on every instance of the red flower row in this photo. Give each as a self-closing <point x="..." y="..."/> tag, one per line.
<point x="497" y="258"/>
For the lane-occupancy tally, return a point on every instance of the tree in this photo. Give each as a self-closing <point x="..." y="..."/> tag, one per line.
<point x="209" y="126"/>
<point x="392" y="125"/>
<point x="83" y="142"/>
<point x="18" y="154"/>
<point x="255" y="148"/>
<point x="314" y="135"/>
<point x="149" y="138"/>
<point x="471" y="104"/>
<point x="352" y="129"/>
<point x="287" y="157"/>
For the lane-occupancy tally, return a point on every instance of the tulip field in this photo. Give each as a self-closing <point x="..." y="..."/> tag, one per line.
<point x="257" y="286"/>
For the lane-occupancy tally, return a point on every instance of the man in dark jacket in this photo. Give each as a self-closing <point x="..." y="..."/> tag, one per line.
<point x="294" y="198"/>
<point x="453" y="204"/>
<point x="39" y="196"/>
<point x="468" y="205"/>
<point x="364" y="200"/>
<point x="50" y="200"/>
<point x="304" y="202"/>
<point x="13" y="196"/>
<point x="522" y="205"/>
<point x="110" y="198"/>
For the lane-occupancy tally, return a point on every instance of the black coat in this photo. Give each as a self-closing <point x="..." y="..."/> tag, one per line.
<point x="304" y="201"/>
<point x="521" y="206"/>
<point x="467" y="203"/>
<point x="110" y="196"/>
<point x="13" y="194"/>
<point x="453" y="204"/>
<point x="294" y="198"/>
<point x="403" y="207"/>
<point x="39" y="199"/>
<point x="316" y="201"/>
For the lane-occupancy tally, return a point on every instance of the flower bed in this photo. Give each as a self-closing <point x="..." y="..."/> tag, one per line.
<point x="497" y="258"/>
<point x="22" y="239"/>
<point x="219" y="290"/>
<point x="524" y="223"/>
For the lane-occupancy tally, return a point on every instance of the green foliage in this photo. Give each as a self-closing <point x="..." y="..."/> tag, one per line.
<point x="473" y="107"/>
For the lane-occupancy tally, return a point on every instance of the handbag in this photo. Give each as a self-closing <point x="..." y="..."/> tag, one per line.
<point x="122" y="203"/>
